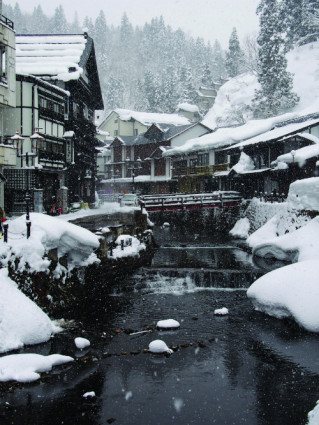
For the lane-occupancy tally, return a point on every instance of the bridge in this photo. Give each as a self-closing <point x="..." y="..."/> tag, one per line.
<point x="197" y="201"/>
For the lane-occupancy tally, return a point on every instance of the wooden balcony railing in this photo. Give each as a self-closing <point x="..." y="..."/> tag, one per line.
<point x="203" y="170"/>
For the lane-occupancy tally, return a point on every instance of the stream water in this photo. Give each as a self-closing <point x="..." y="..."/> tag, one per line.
<point x="243" y="368"/>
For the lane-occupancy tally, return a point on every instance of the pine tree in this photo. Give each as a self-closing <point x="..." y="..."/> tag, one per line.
<point x="59" y="23"/>
<point x="75" y="26"/>
<point x="219" y="67"/>
<point x="275" y="95"/>
<point x="234" y="55"/>
<point x="39" y="21"/>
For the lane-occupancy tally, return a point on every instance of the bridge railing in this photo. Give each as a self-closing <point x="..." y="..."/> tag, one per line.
<point x="190" y="201"/>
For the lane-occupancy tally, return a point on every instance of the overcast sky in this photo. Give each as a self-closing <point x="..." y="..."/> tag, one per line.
<point x="209" y="19"/>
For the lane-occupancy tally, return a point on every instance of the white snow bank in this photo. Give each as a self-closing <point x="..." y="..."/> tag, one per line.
<point x="241" y="229"/>
<point x="168" y="324"/>
<point x="291" y="291"/>
<point x="313" y="415"/>
<point x="21" y="320"/>
<point x="26" y="367"/>
<point x="158" y="347"/>
<point x="304" y="194"/>
<point x="48" y="233"/>
<point x="81" y="343"/>
<point x="300" y="245"/>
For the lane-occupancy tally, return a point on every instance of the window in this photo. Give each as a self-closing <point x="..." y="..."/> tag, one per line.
<point x="116" y="132"/>
<point x="135" y="132"/>
<point x="115" y="121"/>
<point x="3" y="64"/>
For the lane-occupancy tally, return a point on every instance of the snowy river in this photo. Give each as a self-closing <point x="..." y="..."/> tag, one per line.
<point x="243" y="368"/>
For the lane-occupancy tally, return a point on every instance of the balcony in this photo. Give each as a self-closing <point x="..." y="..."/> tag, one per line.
<point x="53" y="157"/>
<point x="200" y="170"/>
<point x="7" y="22"/>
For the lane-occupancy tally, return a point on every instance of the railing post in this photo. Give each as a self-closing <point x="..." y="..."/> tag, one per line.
<point x="5" y="232"/>
<point x="122" y="244"/>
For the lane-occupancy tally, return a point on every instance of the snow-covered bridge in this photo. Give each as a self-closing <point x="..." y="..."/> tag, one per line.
<point x="197" y="201"/>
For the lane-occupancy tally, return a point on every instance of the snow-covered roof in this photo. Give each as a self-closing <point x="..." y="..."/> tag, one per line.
<point x="149" y="118"/>
<point x="300" y="155"/>
<point x="278" y="132"/>
<point x="55" y="56"/>
<point x="187" y="107"/>
<point x="227" y="136"/>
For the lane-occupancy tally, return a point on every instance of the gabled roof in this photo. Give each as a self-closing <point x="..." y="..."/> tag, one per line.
<point x="55" y="56"/>
<point x="277" y="133"/>
<point x="148" y="118"/>
<point x="58" y="57"/>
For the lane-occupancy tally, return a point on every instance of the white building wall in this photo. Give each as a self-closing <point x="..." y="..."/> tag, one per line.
<point x="192" y="133"/>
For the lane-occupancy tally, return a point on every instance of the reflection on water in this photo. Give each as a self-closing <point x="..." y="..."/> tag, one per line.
<point x="244" y="368"/>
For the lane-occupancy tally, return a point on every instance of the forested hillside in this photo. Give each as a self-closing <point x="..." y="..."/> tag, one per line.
<point x="152" y="68"/>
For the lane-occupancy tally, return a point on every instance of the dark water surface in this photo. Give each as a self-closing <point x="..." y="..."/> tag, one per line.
<point x="244" y="368"/>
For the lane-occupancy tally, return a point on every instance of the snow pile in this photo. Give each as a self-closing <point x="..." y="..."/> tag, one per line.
<point x="304" y="194"/>
<point x="241" y="229"/>
<point x="26" y="367"/>
<point x="89" y="394"/>
<point x="81" y="343"/>
<point x="245" y="163"/>
<point x="300" y="245"/>
<point x="233" y="100"/>
<point x="47" y="233"/>
<point x="159" y="347"/>
<point x="291" y="291"/>
<point x="168" y="324"/>
<point x="221" y="311"/>
<point x="21" y="320"/>
<point x="132" y="246"/>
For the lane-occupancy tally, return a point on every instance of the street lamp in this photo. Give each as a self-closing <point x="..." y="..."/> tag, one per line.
<point x="18" y="141"/>
<point x="136" y="165"/>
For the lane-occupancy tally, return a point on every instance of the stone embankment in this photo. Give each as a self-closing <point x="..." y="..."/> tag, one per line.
<point x="56" y="292"/>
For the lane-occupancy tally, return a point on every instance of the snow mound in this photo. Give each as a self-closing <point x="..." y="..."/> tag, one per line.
<point x="221" y="311"/>
<point x="302" y="244"/>
<point x="21" y="320"/>
<point x="304" y="194"/>
<point x="241" y="229"/>
<point x="81" y="343"/>
<point x="159" y="347"/>
<point x="26" y="367"/>
<point x="291" y="291"/>
<point x="168" y="324"/>
<point x="48" y="233"/>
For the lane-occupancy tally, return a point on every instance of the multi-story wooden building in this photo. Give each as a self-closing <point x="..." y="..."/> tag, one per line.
<point x="58" y="91"/>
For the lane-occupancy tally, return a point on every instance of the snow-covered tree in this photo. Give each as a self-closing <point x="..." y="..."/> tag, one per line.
<point x="59" y="23"/>
<point x="275" y="94"/>
<point x="234" y="55"/>
<point x="250" y="50"/>
<point x="218" y="61"/>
